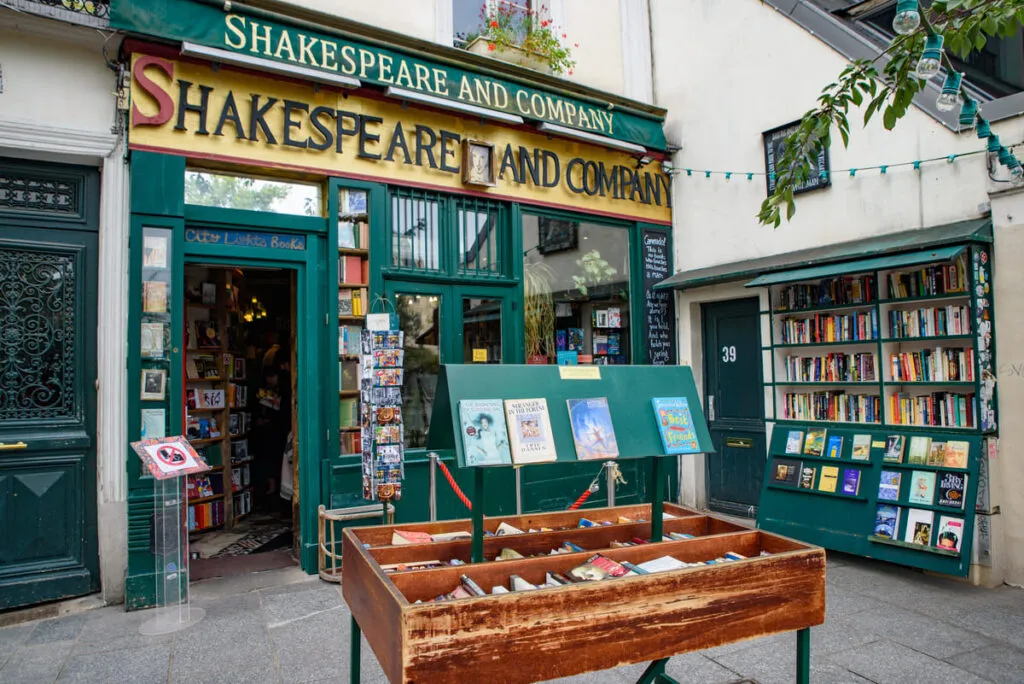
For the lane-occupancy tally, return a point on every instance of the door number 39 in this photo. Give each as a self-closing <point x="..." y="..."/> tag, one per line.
<point x="729" y="354"/>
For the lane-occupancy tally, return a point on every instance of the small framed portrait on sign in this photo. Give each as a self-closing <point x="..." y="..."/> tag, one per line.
<point x="154" y="384"/>
<point x="819" y="176"/>
<point x="477" y="163"/>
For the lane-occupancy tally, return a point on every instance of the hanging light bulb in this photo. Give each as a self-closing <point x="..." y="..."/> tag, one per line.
<point x="968" y="113"/>
<point x="907" y="18"/>
<point x="993" y="150"/>
<point x="1016" y="171"/>
<point x="931" y="58"/>
<point x="951" y="98"/>
<point x="983" y="130"/>
<point x="1005" y="158"/>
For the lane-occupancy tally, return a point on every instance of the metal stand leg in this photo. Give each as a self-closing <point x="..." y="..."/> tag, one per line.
<point x="803" y="656"/>
<point x="477" y="545"/>
<point x="655" y="674"/>
<point x="354" y="655"/>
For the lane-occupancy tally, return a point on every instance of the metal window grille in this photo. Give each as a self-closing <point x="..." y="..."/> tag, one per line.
<point x="415" y="229"/>
<point x="478" y="224"/>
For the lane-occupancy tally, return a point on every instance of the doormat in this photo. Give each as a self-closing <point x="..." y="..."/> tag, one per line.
<point x="269" y="537"/>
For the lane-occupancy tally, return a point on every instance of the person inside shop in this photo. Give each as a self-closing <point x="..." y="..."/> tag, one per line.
<point x="273" y="424"/>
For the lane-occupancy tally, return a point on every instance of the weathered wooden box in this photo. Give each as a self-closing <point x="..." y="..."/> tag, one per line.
<point x="556" y="632"/>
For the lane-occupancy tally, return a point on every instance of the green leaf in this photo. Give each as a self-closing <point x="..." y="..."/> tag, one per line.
<point x="889" y="118"/>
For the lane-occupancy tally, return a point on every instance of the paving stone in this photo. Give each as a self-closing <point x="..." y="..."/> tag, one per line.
<point x="838" y="634"/>
<point x="297" y="601"/>
<point x="245" y="659"/>
<point x="884" y="662"/>
<point x="58" y="629"/>
<point x="919" y="632"/>
<point x="842" y="601"/>
<point x="316" y="647"/>
<point x="11" y="638"/>
<point x="767" y="663"/>
<point x="142" y="665"/>
<point x="997" y="625"/>
<point x="998" y="663"/>
<point x="31" y="664"/>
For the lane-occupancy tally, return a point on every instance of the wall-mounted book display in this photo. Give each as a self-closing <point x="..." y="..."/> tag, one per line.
<point x="901" y="496"/>
<point x="892" y="363"/>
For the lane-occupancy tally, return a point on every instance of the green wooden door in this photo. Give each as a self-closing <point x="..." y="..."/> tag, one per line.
<point x="48" y="543"/>
<point x="734" y="405"/>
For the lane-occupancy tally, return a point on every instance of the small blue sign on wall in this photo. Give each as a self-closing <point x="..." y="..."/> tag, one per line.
<point x="246" y="238"/>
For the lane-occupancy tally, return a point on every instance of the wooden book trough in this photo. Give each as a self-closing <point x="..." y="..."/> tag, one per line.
<point x="529" y="636"/>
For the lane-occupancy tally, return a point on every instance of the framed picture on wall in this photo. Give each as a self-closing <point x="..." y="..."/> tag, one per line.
<point x="556" y="235"/>
<point x="477" y="163"/>
<point x="820" y="175"/>
<point x="154" y="384"/>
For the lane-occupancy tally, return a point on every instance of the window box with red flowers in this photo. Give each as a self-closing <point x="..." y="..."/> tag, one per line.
<point x="520" y="36"/>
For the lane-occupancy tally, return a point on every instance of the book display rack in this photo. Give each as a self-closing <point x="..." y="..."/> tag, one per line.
<point x="353" y="305"/>
<point x="509" y="598"/>
<point x="895" y="355"/>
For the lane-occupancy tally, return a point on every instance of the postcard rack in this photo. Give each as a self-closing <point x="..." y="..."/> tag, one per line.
<point x="777" y="585"/>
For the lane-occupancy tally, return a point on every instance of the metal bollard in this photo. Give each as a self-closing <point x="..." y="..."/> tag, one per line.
<point x="433" y="485"/>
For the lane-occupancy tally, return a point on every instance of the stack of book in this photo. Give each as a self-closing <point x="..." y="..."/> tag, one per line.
<point x="839" y="291"/>
<point x="938" y="409"/>
<point x="836" y="367"/>
<point x="930" y="281"/>
<point x="933" y="365"/>
<point x="930" y="322"/>
<point x="826" y="328"/>
<point x="833" y="406"/>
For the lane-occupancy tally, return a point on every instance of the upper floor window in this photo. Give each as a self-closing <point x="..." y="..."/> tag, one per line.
<point x="468" y="16"/>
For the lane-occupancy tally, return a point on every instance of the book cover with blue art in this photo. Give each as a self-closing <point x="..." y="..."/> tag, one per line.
<point x="592" y="429"/>
<point x="484" y="435"/>
<point x="675" y="425"/>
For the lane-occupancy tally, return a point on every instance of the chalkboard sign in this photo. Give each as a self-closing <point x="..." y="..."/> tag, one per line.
<point x="659" y="305"/>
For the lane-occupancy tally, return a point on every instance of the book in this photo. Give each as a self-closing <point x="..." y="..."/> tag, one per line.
<point x="887" y="521"/>
<point x="517" y="583"/>
<point x="675" y="424"/>
<point x="951" y="489"/>
<point x="951" y="533"/>
<point x="506" y="529"/>
<point x="894" y="445"/>
<point x="808" y="474"/>
<point x="662" y="564"/>
<point x="575" y="339"/>
<point x="919" y="527"/>
<point x="889" y="485"/>
<point x="829" y="479"/>
<point x="851" y="481"/>
<point x="785" y="471"/>
<point x="835" y="446"/>
<point x="937" y="454"/>
<point x="922" y="487"/>
<point x="814" y="444"/>
<point x="484" y="434"/>
<point x="347" y="234"/>
<point x="399" y="537"/>
<point x="920" y="448"/>
<point x="529" y="429"/>
<point x="345" y="302"/>
<point x="956" y="454"/>
<point x="794" y="442"/>
<point x="154" y="297"/>
<point x="861" y="448"/>
<point x="592" y="429"/>
<point x="598" y="567"/>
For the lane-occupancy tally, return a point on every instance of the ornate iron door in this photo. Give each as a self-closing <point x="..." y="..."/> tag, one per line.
<point x="48" y="547"/>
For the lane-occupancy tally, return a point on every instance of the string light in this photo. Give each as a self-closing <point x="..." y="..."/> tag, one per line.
<point x="907" y="18"/>
<point x="931" y="58"/>
<point x="950" y="98"/>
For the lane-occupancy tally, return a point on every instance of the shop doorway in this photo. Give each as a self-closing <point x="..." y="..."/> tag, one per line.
<point x="734" y="405"/>
<point x="241" y="410"/>
<point x="446" y="324"/>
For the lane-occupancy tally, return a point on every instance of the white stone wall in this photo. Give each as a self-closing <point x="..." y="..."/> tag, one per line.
<point x="726" y="72"/>
<point x="58" y="105"/>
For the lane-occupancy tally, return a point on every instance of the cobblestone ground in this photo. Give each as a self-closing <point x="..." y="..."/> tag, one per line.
<point x="883" y="624"/>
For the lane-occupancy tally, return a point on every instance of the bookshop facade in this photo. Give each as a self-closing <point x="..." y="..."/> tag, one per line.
<point x="271" y="213"/>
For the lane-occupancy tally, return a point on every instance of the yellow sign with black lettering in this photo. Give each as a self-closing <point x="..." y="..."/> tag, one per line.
<point x="228" y="115"/>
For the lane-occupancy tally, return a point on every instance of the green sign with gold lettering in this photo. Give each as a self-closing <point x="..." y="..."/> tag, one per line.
<point x="198" y="22"/>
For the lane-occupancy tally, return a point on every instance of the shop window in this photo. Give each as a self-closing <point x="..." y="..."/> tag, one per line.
<point x="415" y="230"/>
<point x="576" y="291"/>
<point x="254" y="194"/>
<point x="478" y="223"/>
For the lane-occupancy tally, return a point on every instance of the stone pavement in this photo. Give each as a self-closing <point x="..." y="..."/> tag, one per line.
<point x="884" y="624"/>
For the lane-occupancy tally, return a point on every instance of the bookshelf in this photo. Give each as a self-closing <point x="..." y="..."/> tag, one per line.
<point x="353" y="305"/>
<point x="880" y="351"/>
<point x="907" y="346"/>
<point x="216" y="406"/>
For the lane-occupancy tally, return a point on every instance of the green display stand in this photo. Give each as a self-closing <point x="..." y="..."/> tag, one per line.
<point x="846" y="523"/>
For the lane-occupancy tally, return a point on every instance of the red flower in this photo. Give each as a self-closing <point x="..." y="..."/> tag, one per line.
<point x="544" y="23"/>
<point x="564" y="36"/>
<point x="494" y="24"/>
<point x="575" y="44"/>
<point x="491" y="47"/>
<point x="570" y="72"/>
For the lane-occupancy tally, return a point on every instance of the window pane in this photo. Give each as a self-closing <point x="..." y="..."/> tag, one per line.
<point x="414" y="230"/>
<point x="466" y="19"/>
<point x="576" y="288"/>
<point x="481" y="330"/>
<point x="418" y="319"/>
<point x="479" y="237"/>
<point x="256" y="194"/>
